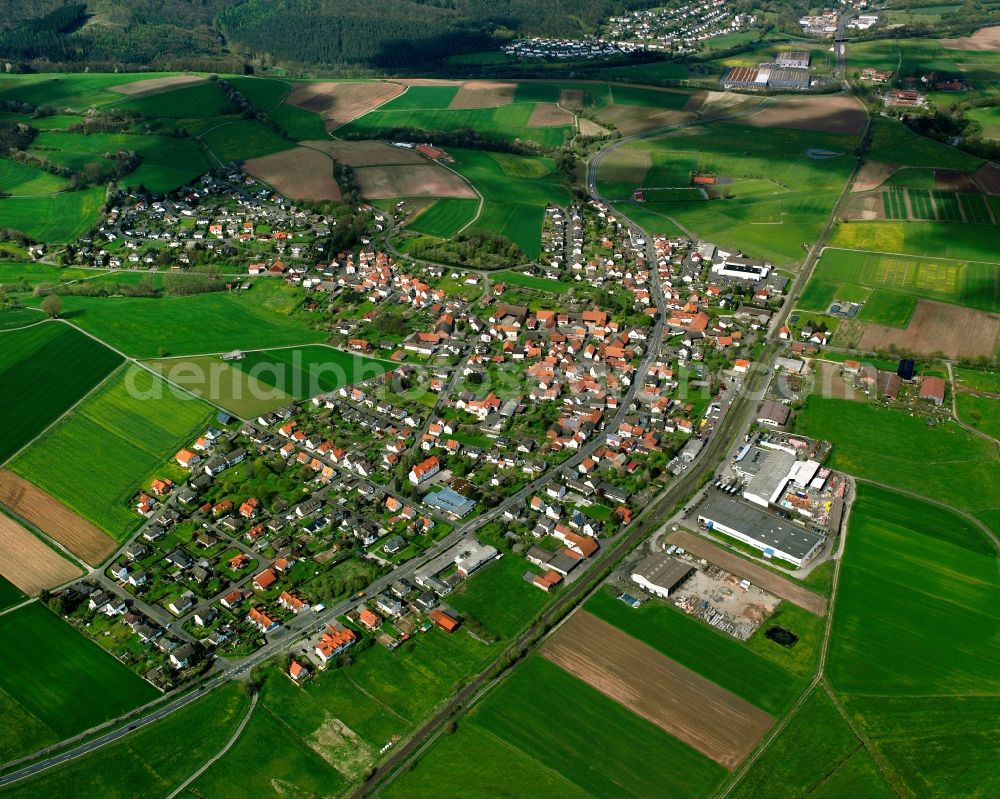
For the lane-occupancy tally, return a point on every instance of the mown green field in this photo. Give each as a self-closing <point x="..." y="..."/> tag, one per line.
<point x="889" y="446"/>
<point x="559" y="728"/>
<point x="58" y="218"/>
<point x="952" y="240"/>
<point x="152" y="761"/>
<point x="514" y="204"/>
<point x="499" y="598"/>
<point x="95" y="459"/>
<point x="44" y="370"/>
<point x="76" y="91"/>
<point x="916" y="582"/>
<point x="243" y="140"/>
<point x="769" y="679"/>
<point x="15" y="275"/>
<point x="780" y="196"/>
<point x="894" y="143"/>
<point x="303" y="372"/>
<point x="545" y="284"/>
<point x="444" y="217"/>
<point x="150" y="327"/>
<point x="185" y="102"/>
<point x="57" y="682"/>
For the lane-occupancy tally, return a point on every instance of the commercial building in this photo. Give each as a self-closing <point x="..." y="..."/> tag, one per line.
<point x="797" y="59"/>
<point x="739" y="268"/>
<point x="773" y="414"/>
<point x="660" y="574"/>
<point x="771" y="468"/>
<point x="473" y="556"/>
<point x="773" y="536"/>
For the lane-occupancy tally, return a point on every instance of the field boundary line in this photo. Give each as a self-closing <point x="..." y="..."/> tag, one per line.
<point x="218" y="755"/>
<point x="406" y="88"/>
<point x="909" y="255"/>
<point x="18" y="606"/>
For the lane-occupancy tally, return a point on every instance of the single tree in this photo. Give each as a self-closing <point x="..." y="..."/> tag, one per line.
<point x="52" y="306"/>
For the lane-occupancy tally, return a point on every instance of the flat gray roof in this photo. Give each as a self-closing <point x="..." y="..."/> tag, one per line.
<point x="662" y="570"/>
<point x="771" y="472"/>
<point x="759" y="525"/>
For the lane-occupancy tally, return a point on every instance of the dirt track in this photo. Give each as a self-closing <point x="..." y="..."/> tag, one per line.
<point x="301" y="173"/>
<point x="708" y="718"/>
<point x="54" y="519"/>
<point x="29" y="563"/>
<point x="757" y="575"/>
<point x="939" y="327"/>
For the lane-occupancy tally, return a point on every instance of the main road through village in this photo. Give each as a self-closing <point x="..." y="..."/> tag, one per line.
<point x="732" y="426"/>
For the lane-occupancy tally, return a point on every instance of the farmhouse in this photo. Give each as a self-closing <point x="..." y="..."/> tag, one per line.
<point x="773" y="536"/>
<point x="932" y="388"/>
<point x="660" y="574"/>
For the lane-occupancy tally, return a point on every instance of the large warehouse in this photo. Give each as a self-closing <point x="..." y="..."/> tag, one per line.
<point x="773" y="536"/>
<point x="660" y="574"/>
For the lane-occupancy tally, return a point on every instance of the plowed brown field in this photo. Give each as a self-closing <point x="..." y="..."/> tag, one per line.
<point x="939" y="327"/>
<point x="301" y="173"/>
<point x="427" y="180"/>
<point x="143" y="88"/>
<point x="483" y="94"/>
<point x="339" y="103"/>
<point x="718" y="724"/>
<point x="28" y="563"/>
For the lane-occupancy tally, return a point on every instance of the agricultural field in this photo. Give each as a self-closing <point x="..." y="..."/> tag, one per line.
<point x="498" y="598"/>
<point x="529" y="714"/>
<point x="366" y="153"/>
<point x="933" y="328"/>
<point x="500" y="177"/>
<point x="951" y="240"/>
<point x="914" y="575"/>
<point x="24" y="180"/>
<point x="152" y="761"/>
<point x="58" y="218"/>
<point x="772" y="221"/>
<point x="771" y="681"/>
<point x="988" y="119"/>
<point x="36" y="385"/>
<point x="894" y="143"/>
<point x="191" y="101"/>
<point x="10" y="594"/>
<point x="969" y="283"/>
<point x="338" y="103"/>
<point x="28" y="563"/>
<point x="243" y="140"/>
<point x="146" y="327"/>
<point x="57" y="682"/>
<point x="444" y="217"/>
<point x="978" y="400"/>
<point x="78" y="92"/>
<point x="303" y="372"/>
<point x="932" y="462"/>
<point x="95" y="459"/>
<point x="222" y="384"/>
<point x="411" y="180"/>
<point x="301" y="174"/>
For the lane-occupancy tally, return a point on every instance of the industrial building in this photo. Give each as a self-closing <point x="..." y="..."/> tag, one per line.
<point x="773" y="414"/>
<point x="773" y="536"/>
<point x="771" y="470"/>
<point x="473" y="556"/>
<point x="766" y="76"/>
<point x="740" y="268"/>
<point x="660" y="574"/>
<point x="797" y="59"/>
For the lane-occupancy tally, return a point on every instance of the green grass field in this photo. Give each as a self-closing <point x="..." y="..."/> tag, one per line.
<point x="243" y="140"/>
<point x="559" y="726"/>
<point x="76" y="91"/>
<point x="151" y="762"/>
<point x="504" y="123"/>
<point x="187" y="102"/>
<point x="988" y="119"/>
<point x="499" y="598"/>
<point x="894" y="143"/>
<point x="303" y="372"/>
<point x="979" y="411"/>
<point x="499" y="177"/>
<point x="915" y="578"/>
<point x="444" y="217"/>
<point x="58" y="218"/>
<point x="10" y="594"/>
<point x="769" y="679"/>
<point x="44" y="370"/>
<point x="422" y="98"/>
<point x="24" y="180"/>
<point x="96" y="458"/>
<point x="926" y="239"/>
<point x="57" y="682"/>
<point x="969" y="283"/>
<point x="889" y="446"/>
<point x="290" y="767"/>
<point x="889" y="308"/>
<point x="545" y="284"/>
<point x="149" y="327"/>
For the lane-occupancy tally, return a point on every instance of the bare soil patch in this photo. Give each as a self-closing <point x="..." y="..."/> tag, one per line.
<point x="483" y="94"/>
<point x="144" y="88"/>
<point x="759" y="576"/>
<point x="696" y="101"/>
<point x="571" y="99"/>
<point x="340" y="746"/>
<point x="427" y="180"/>
<point x="427" y="82"/>
<point x="982" y="39"/>
<point x="939" y="327"/>
<point x="549" y="115"/>
<point x="590" y="128"/>
<point x="831" y="385"/>
<point x="28" y="563"/>
<point x="300" y="173"/>
<point x="988" y="178"/>
<point x="339" y="103"/>
<point x="872" y="175"/>
<point x="718" y="724"/>
<point x="865" y="208"/>
<point x="829" y="113"/>
<point x="366" y="153"/>
<point x="953" y="180"/>
<point x="54" y="519"/>
<point x="629" y="119"/>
